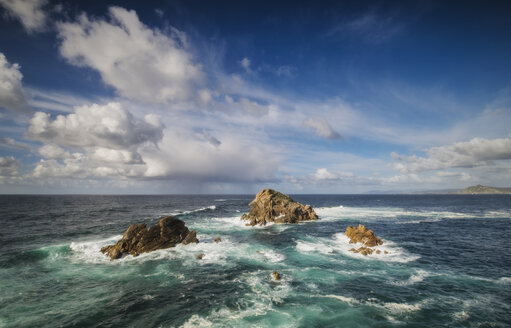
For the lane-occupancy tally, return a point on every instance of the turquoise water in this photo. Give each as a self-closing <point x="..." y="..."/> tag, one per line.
<point x="448" y="264"/>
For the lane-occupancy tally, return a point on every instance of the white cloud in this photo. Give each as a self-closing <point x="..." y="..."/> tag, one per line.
<point x="140" y="63"/>
<point x="245" y="63"/>
<point x="52" y="151"/>
<point x="321" y="127"/>
<point x="9" y="166"/>
<point x="474" y="153"/>
<point x="107" y="126"/>
<point x="11" y="143"/>
<point x="29" y="13"/>
<point x="12" y="96"/>
<point x="323" y="174"/>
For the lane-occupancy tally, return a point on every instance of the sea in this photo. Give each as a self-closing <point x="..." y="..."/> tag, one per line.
<point x="448" y="263"/>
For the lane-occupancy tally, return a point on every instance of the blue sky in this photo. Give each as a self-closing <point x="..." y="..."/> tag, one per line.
<point x="231" y="97"/>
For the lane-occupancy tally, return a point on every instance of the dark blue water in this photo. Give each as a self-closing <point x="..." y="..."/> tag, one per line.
<point x="448" y="264"/>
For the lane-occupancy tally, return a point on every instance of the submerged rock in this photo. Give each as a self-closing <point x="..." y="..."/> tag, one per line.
<point x="200" y="256"/>
<point x="362" y="235"/>
<point x="272" y="206"/>
<point x="218" y="239"/>
<point x="364" y="250"/>
<point x="137" y="239"/>
<point x="276" y="276"/>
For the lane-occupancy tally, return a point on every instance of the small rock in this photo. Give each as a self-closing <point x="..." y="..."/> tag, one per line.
<point x="218" y="239"/>
<point x="276" y="276"/>
<point x="200" y="256"/>
<point x="363" y="250"/>
<point x="385" y="252"/>
<point x="378" y="251"/>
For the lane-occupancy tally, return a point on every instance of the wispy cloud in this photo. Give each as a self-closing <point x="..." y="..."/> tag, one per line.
<point x="30" y="13"/>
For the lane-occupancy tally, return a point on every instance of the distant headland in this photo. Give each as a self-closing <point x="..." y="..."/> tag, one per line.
<point x="479" y="189"/>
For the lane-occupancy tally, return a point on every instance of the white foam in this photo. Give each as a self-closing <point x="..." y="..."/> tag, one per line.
<point x="148" y="297"/>
<point x="263" y="294"/>
<point x="212" y="207"/>
<point x="273" y="256"/>
<point x="394" y="252"/>
<point x="310" y="247"/>
<point x="89" y="251"/>
<point x="392" y="307"/>
<point x="340" y="244"/>
<point x="403" y="216"/>
<point x="418" y="276"/>
<point x="504" y="280"/>
<point x="344" y="299"/>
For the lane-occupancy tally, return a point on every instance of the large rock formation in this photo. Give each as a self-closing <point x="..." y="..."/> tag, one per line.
<point x="272" y="206"/>
<point x="364" y="236"/>
<point x="137" y="239"/>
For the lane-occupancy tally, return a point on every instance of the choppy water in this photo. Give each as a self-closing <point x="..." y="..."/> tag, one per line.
<point x="449" y="264"/>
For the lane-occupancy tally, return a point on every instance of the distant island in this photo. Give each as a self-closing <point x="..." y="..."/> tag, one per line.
<point x="479" y="189"/>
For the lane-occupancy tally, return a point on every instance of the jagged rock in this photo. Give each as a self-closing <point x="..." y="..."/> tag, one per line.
<point x="200" y="256"/>
<point x="362" y="235"/>
<point x="137" y="239"/>
<point x="276" y="276"/>
<point x="364" y="250"/>
<point x="218" y="239"/>
<point x="272" y="206"/>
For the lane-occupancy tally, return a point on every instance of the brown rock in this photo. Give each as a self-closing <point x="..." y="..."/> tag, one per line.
<point x="363" y="250"/>
<point x="137" y="239"/>
<point x="218" y="239"/>
<point x="362" y="235"/>
<point x="378" y="251"/>
<point x="276" y="276"/>
<point x="272" y="206"/>
<point x="200" y="256"/>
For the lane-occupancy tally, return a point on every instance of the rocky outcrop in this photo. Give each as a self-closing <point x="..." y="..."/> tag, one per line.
<point x="137" y="239"/>
<point x="272" y="206"/>
<point x="364" y="236"/>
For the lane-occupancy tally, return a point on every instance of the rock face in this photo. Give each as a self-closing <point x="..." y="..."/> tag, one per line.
<point x="272" y="206"/>
<point x="137" y="239"/>
<point x="364" y="236"/>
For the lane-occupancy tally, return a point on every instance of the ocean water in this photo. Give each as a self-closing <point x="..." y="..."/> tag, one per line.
<point x="448" y="264"/>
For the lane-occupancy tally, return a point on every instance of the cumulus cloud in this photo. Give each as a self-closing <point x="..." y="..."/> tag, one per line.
<point x="474" y="153"/>
<point x="107" y="126"/>
<point x="9" y="166"/>
<point x="28" y="12"/>
<point x="323" y="174"/>
<point x="140" y="63"/>
<point x="52" y="151"/>
<point x="322" y="128"/>
<point x="184" y="157"/>
<point x="12" y="96"/>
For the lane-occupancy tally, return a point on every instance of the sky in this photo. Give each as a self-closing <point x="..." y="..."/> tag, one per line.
<point x="225" y="97"/>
